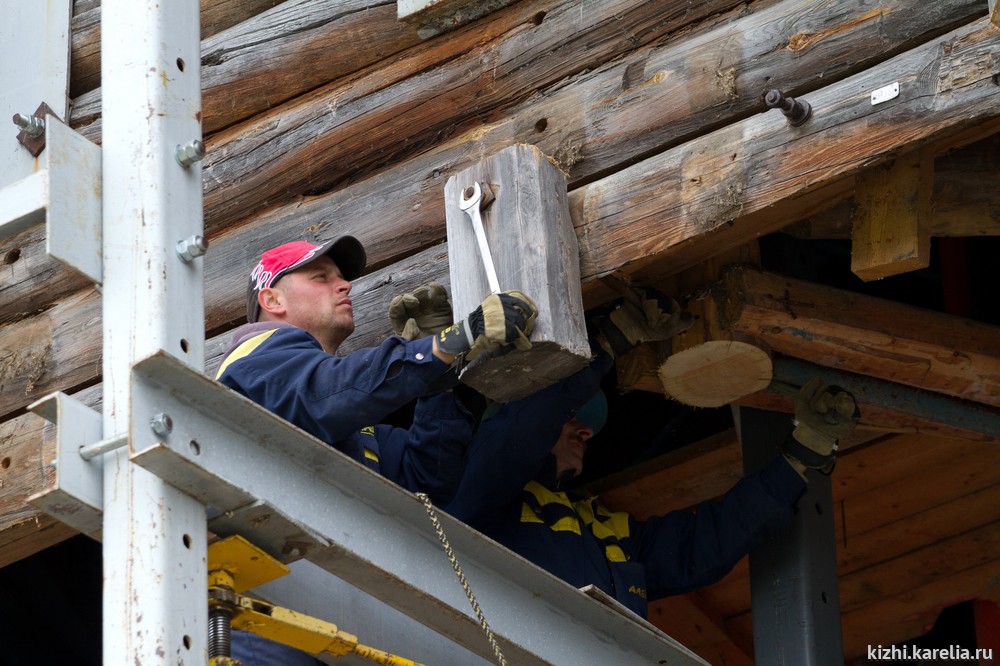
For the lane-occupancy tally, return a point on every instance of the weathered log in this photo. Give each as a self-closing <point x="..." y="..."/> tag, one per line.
<point x="605" y="119"/>
<point x="588" y="135"/>
<point x="675" y="208"/>
<point x="303" y="147"/>
<point x="714" y="192"/>
<point x="270" y="58"/>
<point x="433" y="17"/>
<point x="85" y="56"/>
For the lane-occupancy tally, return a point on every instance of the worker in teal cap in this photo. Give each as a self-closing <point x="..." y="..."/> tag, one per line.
<point x="517" y="484"/>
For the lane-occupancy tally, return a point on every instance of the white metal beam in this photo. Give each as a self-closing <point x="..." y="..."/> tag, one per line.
<point x="155" y="602"/>
<point x="296" y="497"/>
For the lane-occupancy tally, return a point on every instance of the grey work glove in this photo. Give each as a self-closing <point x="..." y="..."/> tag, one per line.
<point x="644" y="315"/>
<point x="424" y="311"/>
<point x="824" y="415"/>
<point x="501" y="319"/>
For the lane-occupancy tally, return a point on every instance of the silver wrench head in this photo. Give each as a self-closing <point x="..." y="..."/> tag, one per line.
<point x="471" y="196"/>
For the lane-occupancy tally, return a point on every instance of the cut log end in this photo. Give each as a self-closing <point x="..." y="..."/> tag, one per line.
<point x="512" y="374"/>
<point x="715" y="373"/>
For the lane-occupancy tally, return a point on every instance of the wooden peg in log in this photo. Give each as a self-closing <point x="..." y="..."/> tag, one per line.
<point x="534" y="250"/>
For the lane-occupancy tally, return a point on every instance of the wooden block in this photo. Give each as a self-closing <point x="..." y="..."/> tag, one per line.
<point x="534" y="249"/>
<point x="433" y="17"/>
<point x="994" y="13"/>
<point x="891" y="223"/>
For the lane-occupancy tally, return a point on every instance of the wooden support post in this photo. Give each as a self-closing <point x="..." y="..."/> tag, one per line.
<point x="534" y="250"/>
<point x="433" y="17"/>
<point x="994" y="13"/>
<point x="891" y="222"/>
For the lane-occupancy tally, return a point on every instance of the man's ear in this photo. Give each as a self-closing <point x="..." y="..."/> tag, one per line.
<point x="271" y="301"/>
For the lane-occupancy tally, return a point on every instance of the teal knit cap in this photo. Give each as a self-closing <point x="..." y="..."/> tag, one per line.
<point x="594" y="412"/>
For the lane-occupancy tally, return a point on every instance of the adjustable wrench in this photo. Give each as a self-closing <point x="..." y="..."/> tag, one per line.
<point x="470" y="201"/>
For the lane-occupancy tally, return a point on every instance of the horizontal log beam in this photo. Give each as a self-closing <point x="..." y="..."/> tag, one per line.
<point x="433" y="17"/>
<point x="590" y="136"/>
<point x="678" y="220"/>
<point x="278" y="54"/>
<point x="718" y="190"/>
<point x="432" y="91"/>
<point x="861" y="334"/>
<point x="606" y="119"/>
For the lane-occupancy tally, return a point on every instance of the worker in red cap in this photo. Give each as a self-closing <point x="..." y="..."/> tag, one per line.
<point x="299" y="312"/>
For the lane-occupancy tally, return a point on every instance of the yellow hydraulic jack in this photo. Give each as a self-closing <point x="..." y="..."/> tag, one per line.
<point x="236" y="565"/>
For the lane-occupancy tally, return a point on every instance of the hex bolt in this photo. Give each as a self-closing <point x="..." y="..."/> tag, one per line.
<point x="161" y="424"/>
<point x="189" y="248"/>
<point x="190" y="153"/>
<point x="33" y="126"/>
<point x="796" y="110"/>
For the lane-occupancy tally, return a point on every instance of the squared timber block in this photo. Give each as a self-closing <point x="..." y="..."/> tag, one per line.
<point x="891" y="225"/>
<point x="433" y="17"/>
<point x="534" y="250"/>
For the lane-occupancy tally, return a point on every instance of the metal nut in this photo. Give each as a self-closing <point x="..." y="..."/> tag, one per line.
<point x="190" y="153"/>
<point x="161" y="424"/>
<point x="191" y="247"/>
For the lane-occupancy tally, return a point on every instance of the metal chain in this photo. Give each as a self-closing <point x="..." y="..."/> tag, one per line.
<point x="461" y="577"/>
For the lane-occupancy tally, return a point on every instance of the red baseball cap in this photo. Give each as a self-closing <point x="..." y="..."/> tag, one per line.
<point x="346" y="251"/>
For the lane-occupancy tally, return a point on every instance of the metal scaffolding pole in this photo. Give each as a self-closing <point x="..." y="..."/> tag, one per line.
<point x="155" y="598"/>
<point x="793" y="578"/>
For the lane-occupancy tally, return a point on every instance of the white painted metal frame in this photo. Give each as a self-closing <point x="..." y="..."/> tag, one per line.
<point x="155" y="572"/>
<point x="76" y="496"/>
<point x="66" y="194"/>
<point x="293" y="496"/>
<point x="34" y="47"/>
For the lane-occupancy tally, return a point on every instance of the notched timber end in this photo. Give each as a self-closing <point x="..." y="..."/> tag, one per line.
<point x="434" y="17"/>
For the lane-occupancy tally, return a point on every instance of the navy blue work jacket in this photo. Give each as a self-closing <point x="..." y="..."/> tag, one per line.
<point x="340" y="400"/>
<point x="509" y="492"/>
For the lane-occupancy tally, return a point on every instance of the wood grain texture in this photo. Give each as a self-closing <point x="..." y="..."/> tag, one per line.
<point x="533" y="249"/>
<point x="866" y="335"/>
<point x="667" y="208"/>
<point x="85" y="55"/>
<point x="671" y="206"/>
<point x="891" y="232"/>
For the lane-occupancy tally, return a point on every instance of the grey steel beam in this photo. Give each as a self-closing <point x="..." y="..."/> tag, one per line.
<point x="974" y="416"/>
<point x="296" y="497"/>
<point x="795" y="601"/>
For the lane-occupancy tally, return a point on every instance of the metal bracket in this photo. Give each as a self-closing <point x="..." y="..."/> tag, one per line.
<point x="230" y="453"/>
<point x="34" y="142"/>
<point x="76" y="497"/>
<point x="66" y="193"/>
